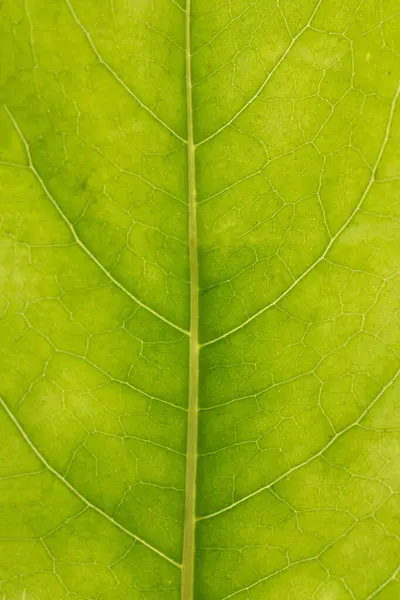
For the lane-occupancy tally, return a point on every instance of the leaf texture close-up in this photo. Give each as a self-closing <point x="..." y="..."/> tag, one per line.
<point x="199" y="299"/>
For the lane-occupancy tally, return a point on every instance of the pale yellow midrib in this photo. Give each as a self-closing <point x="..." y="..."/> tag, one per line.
<point x="192" y="426"/>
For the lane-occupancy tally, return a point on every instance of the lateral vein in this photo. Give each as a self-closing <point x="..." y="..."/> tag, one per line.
<point x="75" y="235"/>
<point x="333" y="239"/>
<point x="76" y="492"/>
<point x="270" y="74"/>
<point x="116" y="76"/>
<point x="330" y="443"/>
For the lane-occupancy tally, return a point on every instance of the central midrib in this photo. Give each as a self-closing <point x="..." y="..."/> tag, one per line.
<point x="187" y="584"/>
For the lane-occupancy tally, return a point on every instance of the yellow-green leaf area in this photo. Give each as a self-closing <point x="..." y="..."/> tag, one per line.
<point x="199" y="300"/>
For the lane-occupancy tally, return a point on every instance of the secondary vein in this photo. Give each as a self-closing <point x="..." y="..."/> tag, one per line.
<point x="333" y="239"/>
<point x="192" y="426"/>
<point x="116" y="76"/>
<point x="75" y="235"/>
<point x="76" y="492"/>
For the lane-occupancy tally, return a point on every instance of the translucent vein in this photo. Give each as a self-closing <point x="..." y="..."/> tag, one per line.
<point x="75" y="235"/>
<point x="120" y="381"/>
<point x="292" y="564"/>
<point x="309" y="460"/>
<point x="384" y="584"/>
<point x="76" y="492"/>
<point x="332" y="240"/>
<point x="116" y="76"/>
<point x="260" y="89"/>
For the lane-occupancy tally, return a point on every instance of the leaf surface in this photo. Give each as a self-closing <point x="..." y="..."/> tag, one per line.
<point x="199" y="332"/>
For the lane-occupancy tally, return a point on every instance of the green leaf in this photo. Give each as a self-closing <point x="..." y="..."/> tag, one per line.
<point x="200" y="332"/>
